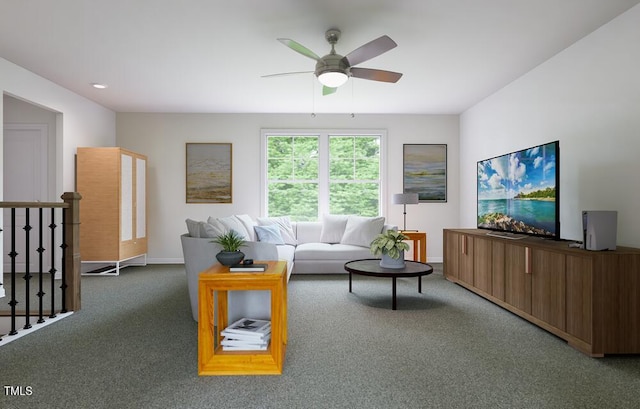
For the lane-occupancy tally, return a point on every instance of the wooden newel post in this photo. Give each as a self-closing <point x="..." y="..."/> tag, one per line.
<point x="72" y="256"/>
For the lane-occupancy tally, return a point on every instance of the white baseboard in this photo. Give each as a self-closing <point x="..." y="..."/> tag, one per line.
<point x="165" y="260"/>
<point x="5" y="325"/>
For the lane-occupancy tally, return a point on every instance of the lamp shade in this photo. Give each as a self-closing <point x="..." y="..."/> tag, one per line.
<point x="405" y="198"/>
<point x="332" y="79"/>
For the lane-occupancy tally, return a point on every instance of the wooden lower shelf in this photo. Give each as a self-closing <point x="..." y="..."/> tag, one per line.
<point x="244" y="363"/>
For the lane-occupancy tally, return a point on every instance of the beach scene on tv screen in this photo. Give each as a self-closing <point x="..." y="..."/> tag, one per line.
<point x="517" y="191"/>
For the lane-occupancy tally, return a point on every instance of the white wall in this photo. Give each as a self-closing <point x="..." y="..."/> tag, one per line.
<point x="162" y="138"/>
<point x="81" y="122"/>
<point x="78" y="121"/>
<point x="588" y="98"/>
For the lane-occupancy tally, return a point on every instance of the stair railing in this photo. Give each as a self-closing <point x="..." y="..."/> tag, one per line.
<point x="67" y="213"/>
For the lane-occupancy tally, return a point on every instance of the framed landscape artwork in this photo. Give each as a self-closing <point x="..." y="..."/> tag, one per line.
<point x="209" y="173"/>
<point x="425" y="171"/>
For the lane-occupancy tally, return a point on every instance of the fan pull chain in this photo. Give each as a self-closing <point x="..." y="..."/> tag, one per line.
<point x="353" y="115"/>
<point x="313" y="97"/>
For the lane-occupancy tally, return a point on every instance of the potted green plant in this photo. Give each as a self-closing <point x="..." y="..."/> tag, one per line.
<point x="231" y="243"/>
<point x="391" y="246"/>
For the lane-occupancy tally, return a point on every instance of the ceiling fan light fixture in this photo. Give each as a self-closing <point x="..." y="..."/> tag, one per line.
<point x="334" y="70"/>
<point x="333" y="79"/>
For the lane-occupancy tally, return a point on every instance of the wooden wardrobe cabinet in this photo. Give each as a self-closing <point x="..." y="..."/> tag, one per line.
<point x="587" y="298"/>
<point x="113" y="226"/>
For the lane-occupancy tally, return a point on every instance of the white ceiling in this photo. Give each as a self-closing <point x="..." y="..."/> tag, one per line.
<point x="209" y="55"/>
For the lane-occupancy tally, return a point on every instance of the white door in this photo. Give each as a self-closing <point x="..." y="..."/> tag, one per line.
<point x="25" y="180"/>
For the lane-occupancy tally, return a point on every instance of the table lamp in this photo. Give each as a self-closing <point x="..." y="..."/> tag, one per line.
<point x="405" y="199"/>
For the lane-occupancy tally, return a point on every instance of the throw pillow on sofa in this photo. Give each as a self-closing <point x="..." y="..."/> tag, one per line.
<point x="203" y="229"/>
<point x="210" y="230"/>
<point x="216" y="227"/>
<point x="286" y="229"/>
<point x="248" y="224"/>
<point x="193" y="228"/>
<point x="333" y="228"/>
<point x="360" y="231"/>
<point x="269" y="234"/>
<point x="232" y="223"/>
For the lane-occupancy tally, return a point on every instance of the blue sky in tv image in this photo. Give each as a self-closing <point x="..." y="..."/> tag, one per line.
<point x="517" y="191"/>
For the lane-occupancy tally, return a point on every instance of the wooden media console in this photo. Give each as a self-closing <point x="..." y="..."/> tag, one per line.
<point x="591" y="299"/>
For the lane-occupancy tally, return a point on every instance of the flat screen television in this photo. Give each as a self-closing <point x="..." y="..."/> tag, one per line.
<point x="518" y="193"/>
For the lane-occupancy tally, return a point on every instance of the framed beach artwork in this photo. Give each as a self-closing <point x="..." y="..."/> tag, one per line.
<point x="209" y="173"/>
<point x="425" y="171"/>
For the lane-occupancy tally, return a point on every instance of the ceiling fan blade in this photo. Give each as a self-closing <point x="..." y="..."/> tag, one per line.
<point x="368" y="51"/>
<point x="295" y="46"/>
<point x="328" y="90"/>
<point x="286" y="73"/>
<point x="375" y="75"/>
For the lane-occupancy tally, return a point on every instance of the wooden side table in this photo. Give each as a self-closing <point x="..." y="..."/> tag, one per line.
<point x="212" y="360"/>
<point x="419" y="239"/>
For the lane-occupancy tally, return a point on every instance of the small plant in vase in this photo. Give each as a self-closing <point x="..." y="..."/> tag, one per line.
<point x="230" y="253"/>
<point x="391" y="246"/>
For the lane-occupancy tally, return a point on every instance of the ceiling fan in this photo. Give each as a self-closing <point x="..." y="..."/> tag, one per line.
<point x="333" y="70"/>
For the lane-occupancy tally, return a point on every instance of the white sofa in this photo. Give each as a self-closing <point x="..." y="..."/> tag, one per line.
<point x="312" y="255"/>
<point x="308" y="247"/>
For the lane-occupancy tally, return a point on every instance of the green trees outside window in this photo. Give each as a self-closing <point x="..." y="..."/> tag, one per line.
<point x="354" y="175"/>
<point x="304" y="179"/>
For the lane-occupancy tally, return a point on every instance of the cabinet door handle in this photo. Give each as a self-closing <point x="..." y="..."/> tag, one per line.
<point x="527" y="260"/>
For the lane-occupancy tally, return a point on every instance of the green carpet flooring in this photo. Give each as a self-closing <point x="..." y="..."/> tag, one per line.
<point x="134" y="345"/>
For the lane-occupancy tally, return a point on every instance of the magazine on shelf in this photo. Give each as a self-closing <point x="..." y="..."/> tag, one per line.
<point x="245" y="348"/>
<point x="250" y="327"/>
<point x="241" y="343"/>
<point x="246" y="338"/>
<point x="252" y="339"/>
<point x="248" y="267"/>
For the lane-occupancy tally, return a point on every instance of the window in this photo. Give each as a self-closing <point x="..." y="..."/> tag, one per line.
<point x="293" y="176"/>
<point x="309" y="174"/>
<point x="354" y="175"/>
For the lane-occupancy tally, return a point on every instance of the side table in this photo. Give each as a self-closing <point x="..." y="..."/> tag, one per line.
<point x="419" y="239"/>
<point x="212" y="360"/>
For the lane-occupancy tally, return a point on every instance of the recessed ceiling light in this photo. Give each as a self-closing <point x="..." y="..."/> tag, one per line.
<point x="99" y="86"/>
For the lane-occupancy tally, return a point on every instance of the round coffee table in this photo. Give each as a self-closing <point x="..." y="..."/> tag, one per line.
<point x="371" y="267"/>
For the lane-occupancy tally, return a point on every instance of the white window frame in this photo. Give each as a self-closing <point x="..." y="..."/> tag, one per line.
<point x="323" y="164"/>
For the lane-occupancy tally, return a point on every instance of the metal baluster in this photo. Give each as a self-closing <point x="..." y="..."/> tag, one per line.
<point x="52" y="270"/>
<point x="63" y="246"/>
<point x="40" y="269"/>
<point x="13" y="256"/>
<point x="27" y="271"/>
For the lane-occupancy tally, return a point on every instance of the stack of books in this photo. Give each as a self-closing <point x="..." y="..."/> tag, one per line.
<point x="248" y="267"/>
<point x="246" y="334"/>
